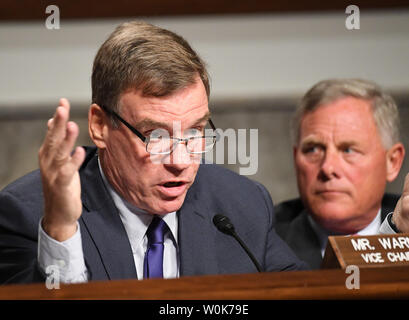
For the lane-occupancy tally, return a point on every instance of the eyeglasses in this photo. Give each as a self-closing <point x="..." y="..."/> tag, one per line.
<point x="159" y="142"/>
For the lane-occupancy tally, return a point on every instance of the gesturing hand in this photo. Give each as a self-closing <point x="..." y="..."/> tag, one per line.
<point x="401" y="213"/>
<point x="59" y="174"/>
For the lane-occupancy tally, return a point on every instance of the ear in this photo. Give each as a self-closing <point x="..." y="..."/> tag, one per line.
<point x="394" y="159"/>
<point x="98" y="124"/>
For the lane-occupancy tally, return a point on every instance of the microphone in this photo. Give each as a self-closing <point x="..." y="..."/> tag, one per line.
<point x="224" y="225"/>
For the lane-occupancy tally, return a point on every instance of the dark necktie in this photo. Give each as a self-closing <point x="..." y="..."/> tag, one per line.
<point x="153" y="264"/>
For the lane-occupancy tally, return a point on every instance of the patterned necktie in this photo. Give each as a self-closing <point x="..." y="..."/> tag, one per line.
<point x="153" y="264"/>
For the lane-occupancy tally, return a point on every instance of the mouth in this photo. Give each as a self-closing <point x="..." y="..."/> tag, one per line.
<point x="330" y="193"/>
<point x="173" y="184"/>
<point x="172" y="189"/>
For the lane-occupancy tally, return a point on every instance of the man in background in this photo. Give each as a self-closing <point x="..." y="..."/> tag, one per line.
<point x="346" y="148"/>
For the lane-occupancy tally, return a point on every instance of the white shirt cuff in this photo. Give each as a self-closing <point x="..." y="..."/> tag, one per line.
<point x="385" y="226"/>
<point x="66" y="257"/>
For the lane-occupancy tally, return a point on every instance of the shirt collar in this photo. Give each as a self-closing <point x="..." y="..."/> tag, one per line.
<point x="136" y="220"/>
<point x="322" y="234"/>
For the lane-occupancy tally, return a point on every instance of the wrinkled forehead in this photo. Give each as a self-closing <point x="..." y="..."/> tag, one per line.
<point x="181" y="101"/>
<point x="184" y="109"/>
<point x="346" y="119"/>
<point x="169" y="124"/>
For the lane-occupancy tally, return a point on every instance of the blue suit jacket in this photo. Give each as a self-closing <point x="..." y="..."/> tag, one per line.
<point x="293" y="226"/>
<point x="107" y="251"/>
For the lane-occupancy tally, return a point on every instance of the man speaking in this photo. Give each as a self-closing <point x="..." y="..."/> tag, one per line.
<point x="139" y="204"/>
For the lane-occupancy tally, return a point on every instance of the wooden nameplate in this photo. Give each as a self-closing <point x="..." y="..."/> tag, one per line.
<point x="367" y="251"/>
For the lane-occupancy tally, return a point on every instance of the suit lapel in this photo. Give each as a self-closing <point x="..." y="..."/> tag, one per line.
<point x="105" y="230"/>
<point x="303" y="240"/>
<point x="196" y="240"/>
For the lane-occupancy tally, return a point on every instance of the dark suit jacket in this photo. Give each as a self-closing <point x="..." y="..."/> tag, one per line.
<point x="107" y="251"/>
<point x="293" y="226"/>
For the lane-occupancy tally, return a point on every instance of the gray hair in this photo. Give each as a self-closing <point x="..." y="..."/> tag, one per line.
<point x="384" y="109"/>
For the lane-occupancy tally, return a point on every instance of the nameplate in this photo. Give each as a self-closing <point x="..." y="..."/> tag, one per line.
<point x="367" y="251"/>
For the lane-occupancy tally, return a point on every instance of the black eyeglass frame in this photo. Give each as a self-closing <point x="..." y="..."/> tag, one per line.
<point x="147" y="139"/>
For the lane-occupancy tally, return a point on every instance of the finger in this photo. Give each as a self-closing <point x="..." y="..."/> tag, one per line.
<point x="405" y="191"/>
<point x="57" y="129"/>
<point x="50" y="123"/>
<point x="60" y="121"/>
<point x="65" y="103"/>
<point x="404" y="200"/>
<point x="78" y="157"/>
<point x="68" y="170"/>
<point x="61" y="117"/>
<point x="68" y="143"/>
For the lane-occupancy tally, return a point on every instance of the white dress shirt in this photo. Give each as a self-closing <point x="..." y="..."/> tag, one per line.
<point x="386" y="227"/>
<point x="69" y="258"/>
<point x="322" y="234"/>
<point x="136" y="222"/>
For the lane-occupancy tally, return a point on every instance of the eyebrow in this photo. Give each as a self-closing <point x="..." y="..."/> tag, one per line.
<point x="348" y="143"/>
<point x="316" y="141"/>
<point x="149" y="123"/>
<point x="311" y="140"/>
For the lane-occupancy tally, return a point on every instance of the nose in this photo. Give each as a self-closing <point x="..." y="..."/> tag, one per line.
<point x="179" y="158"/>
<point x="330" y="165"/>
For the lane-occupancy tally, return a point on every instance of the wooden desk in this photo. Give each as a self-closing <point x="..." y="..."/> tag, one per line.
<point x="375" y="283"/>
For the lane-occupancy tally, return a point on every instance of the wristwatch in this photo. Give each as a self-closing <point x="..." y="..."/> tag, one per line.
<point x="393" y="226"/>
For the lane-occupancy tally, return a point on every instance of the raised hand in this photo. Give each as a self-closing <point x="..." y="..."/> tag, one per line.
<point x="59" y="174"/>
<point x="401" y="213"/>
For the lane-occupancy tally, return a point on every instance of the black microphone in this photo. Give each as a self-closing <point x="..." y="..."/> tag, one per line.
<point x="224" y="225"/>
